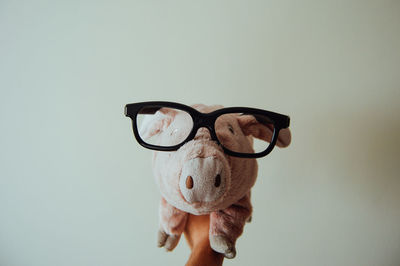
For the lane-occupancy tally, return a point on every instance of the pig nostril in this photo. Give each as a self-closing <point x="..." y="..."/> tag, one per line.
<point x="189" y="182"/>
<point x="217" y="181"/>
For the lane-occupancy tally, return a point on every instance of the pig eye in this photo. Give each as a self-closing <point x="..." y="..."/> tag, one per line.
<point x="231" y="129"/>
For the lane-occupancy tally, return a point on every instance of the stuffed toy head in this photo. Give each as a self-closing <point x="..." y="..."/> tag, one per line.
<point x="204" y="161"/>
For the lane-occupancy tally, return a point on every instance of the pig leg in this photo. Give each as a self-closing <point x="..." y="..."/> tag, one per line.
<point x="227" y="225"/>
<point x="172" y="225"/>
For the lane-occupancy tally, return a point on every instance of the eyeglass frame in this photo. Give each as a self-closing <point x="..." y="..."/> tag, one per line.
<point x="207" y="120"/>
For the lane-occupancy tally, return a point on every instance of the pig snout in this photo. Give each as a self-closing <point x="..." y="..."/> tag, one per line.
<point x="203" y="180"/>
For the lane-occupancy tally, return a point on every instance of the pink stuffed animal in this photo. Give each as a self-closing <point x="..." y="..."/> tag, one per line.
<point x="200" y="177"/>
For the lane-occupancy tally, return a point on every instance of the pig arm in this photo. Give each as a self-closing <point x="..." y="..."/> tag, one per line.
<point x="172" y="225"/>
<point x="227" y="225"/>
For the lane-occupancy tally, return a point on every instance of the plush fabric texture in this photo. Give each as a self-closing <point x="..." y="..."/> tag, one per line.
<point x="200" y="178"/>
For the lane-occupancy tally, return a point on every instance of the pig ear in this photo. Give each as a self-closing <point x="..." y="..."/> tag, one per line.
<point x="153" y="124"/>
<point x="250" y="126"/>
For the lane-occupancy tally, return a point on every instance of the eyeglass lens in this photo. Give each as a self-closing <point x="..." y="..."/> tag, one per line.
<point x="175" y="124"/>
<point x="231" y="134"/>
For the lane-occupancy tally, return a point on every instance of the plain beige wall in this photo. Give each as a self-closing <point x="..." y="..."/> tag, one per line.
<point x="75" y="187"/>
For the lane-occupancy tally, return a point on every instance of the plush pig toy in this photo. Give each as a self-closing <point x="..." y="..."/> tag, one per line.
<point x="200" y="177"/>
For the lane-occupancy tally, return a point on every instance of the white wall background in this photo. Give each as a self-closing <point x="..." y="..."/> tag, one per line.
<point x="75" y="187"/>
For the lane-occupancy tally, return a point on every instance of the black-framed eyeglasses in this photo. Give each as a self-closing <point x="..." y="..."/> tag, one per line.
<point x="180" y="124"/>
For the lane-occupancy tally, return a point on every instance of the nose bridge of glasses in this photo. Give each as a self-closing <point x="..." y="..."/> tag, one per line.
<point x="203" y="125"/>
